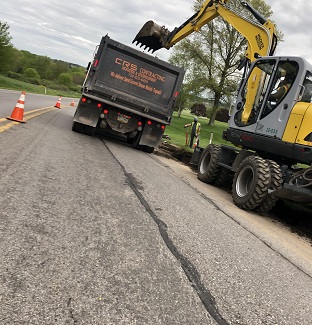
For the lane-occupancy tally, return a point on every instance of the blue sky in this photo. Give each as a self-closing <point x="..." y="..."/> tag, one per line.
<point x="70" y="31"/>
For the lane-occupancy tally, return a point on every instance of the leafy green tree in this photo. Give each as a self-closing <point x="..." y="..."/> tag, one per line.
<point x="58" y="67"/>
<point x="211" y="56"/>
<point x="78" y="78"/>
<point x="65" y="79"/>
<point x="31" y="73"/>
<point x="43" y="65"/>
<point x="5" y="47"/>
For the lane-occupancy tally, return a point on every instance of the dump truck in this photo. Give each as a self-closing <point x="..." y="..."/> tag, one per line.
<point x="269" y="155"/>
<point x="128" y="93"/>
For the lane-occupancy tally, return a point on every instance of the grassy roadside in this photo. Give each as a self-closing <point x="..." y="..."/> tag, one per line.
<point x="12" y="84"/>
<point x="177" y="132"/>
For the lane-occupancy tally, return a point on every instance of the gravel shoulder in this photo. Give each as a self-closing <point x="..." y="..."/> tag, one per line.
<point x="283" y="238"/>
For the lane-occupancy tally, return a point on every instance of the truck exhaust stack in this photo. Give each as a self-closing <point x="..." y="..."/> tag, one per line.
<point x="151" y="36"/>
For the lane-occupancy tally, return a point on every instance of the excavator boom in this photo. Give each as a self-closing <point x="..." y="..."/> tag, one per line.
<point x="259" y="34"/>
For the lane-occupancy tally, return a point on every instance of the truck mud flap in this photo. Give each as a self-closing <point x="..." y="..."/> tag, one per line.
<point x="87" y="115"/>
<point x="151" y="136"/>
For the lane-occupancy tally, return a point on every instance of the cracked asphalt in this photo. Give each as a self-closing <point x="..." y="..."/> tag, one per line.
<point x="95" y="232"/>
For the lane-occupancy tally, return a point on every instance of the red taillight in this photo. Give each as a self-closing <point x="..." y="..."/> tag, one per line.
<point x="139" y="123"/>
<point x="163" y="127"/>
<point x="105" y="111"/>
<point x="96" y="62"/>
<point x="99" y="105"/>
<point x="149" y="122"/>
<point x="176" y="94"/>
<point x="83" y="99"/>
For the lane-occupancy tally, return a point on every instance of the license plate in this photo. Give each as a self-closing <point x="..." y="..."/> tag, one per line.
<point x="122" y="118"/>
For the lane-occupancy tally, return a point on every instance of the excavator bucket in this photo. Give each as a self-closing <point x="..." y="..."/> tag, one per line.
<point x="150" y="36"/>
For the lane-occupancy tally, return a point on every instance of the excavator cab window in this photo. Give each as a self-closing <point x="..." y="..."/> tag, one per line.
<point x="307" y="92"/>
<point x="267" y="85"/>
<point x="254" y="92"/>
<point x="284" y="78"/>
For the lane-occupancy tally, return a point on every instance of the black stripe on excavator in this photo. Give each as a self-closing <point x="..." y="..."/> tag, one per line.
<point x="269" y="147"/>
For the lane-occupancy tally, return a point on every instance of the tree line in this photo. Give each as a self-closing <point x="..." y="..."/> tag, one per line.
<point x="39" y="70"/>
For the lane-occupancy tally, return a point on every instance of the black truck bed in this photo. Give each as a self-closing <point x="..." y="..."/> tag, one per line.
<point x="128" y="78"/>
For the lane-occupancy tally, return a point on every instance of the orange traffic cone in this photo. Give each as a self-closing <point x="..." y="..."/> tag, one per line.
<point x="18" y="111"/>
<point x="72" y="103"/>
<point x="58" y="103"/>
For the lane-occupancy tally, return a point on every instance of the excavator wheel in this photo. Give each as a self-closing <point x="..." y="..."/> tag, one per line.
<point x="208" y="167"/>
<point x="224" y="178"/>
<point x="149" y="36"/>
<point x="251" y="183"/>
<point x="275" y="184"/>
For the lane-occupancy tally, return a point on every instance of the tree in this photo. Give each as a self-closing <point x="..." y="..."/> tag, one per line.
<point x="211" y="56"/>
<point x="5" y="47"/>
<point x="65" y="79"/>
<point x="198" y="109"/>
<point x="31" y="73"/>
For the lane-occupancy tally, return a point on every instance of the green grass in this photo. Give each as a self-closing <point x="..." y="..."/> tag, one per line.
<point x="12" y="84"/>
<point x="177" y="132"/>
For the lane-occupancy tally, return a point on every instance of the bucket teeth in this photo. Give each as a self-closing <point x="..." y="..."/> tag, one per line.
<point x="149" y="36"/>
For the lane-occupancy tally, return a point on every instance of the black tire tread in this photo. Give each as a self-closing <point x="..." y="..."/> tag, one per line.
<point x="211" y="152"/>
<point x="275" y="184"/>
<point x="261" y="183"/>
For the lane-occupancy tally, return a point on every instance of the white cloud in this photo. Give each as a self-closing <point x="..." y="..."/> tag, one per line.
<point x="70" y="31"/>
<point x="293" y="19"/>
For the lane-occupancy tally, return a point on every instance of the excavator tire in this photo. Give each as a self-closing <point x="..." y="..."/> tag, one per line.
<point x="224" y="177"/>
<point x="208" y="167"/>
<point x="275" y="184"/>
<point x="251" y="182"/>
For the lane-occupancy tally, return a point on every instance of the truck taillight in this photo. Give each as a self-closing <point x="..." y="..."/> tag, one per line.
<point x="96" y="62"/>
<point x="105" y="111"/>
<point x="176" y="94"/>
<point x="83" y="99"/>
<point x="139" y="123"/>
<point x="163" y="127"/>
<point x="99" y="105"/>
<point x="149" y="122"/>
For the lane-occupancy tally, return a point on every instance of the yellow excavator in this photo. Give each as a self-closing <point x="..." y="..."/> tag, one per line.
<point x="270" y="124"/>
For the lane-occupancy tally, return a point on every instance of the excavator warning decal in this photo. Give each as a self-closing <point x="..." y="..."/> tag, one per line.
<point x="259" y="41"/>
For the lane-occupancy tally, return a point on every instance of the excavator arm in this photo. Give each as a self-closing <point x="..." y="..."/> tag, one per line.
<point x="259" y="34"/>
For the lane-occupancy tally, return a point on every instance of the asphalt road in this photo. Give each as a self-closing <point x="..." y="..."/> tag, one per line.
<point x="95" y="232"/>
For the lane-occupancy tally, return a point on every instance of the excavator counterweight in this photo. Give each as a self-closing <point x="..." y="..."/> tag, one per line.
<point x="150" y="36"/>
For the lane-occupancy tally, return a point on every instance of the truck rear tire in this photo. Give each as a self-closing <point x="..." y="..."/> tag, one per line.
<point x="81" y="128"/>
<point x="276" y="183"/>
<point x="148" y="149"/>
<point x="208" y="167"/>
<point x="77" y="127"/>
<point x="251" y="183"/>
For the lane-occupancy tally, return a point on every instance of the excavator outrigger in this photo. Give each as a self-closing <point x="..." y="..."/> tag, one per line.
<point x="271" y="135"/>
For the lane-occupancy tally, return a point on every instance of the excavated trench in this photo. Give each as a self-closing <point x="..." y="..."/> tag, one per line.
<point x="297" y="217"/>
